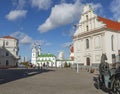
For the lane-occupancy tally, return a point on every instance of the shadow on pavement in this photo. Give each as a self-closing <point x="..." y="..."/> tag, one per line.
<point x="7" y="75"/>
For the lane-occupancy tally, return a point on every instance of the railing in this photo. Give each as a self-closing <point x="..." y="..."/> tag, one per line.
<point x="90" y="69"/>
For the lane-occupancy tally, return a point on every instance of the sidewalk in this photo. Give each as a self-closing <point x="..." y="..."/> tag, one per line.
<point x="58" y="81"/>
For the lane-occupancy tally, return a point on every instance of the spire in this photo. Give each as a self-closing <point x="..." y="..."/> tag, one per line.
<point x="39" y="49"/>
<point x="87" y="8"/>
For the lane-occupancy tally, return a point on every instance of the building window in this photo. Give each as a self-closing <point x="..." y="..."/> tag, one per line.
<point x="87" y="43"/>
<point x="7" y="54"/>
<point x="6" y="42"/>
<point x="87" y="28"/>
<point x="7" y="62"/>
<point x="112" y="42"/>
<point x="86" y="17"/>
<point x="33" y="54"/>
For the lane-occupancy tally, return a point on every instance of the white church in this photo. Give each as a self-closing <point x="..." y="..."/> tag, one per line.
<point x="95" y="35"/>
<point x="49" y="60"/>
<point x="40" y="59"/>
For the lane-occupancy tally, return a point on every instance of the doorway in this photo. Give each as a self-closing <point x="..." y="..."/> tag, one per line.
<point x="88" y="61"/>
<point x="7" y="62"/>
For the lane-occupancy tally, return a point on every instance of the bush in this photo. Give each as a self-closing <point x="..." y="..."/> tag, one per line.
<point x="67" y="65"/>
<point x="92" y="70"/>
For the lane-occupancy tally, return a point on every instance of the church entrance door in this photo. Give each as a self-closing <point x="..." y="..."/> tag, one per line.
<point x="88" y="61"/>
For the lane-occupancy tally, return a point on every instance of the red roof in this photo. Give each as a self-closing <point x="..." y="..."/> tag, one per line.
<point x="110" y="24"/>
<point x="9" y="37"/>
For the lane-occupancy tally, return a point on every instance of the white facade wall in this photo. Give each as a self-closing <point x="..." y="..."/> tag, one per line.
<point x="108" y="46"/>
<point x="60" y="63"/>
<point x="8" y="52"/>
<point x="49" y="61"/>
<point x="34" y="56"/>
<point x="99" y="39"/>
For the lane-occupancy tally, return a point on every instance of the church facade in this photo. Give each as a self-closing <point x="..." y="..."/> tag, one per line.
<point x="48" y="60"/>
<point x="40" y="59"/>
<point x="95" y="35"/>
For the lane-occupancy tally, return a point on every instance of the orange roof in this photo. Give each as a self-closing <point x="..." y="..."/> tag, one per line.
<point x="9" y="37"/>
<point x="110" y="24"/>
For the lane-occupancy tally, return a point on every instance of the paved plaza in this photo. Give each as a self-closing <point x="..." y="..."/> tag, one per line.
<point x="52" y="81"/>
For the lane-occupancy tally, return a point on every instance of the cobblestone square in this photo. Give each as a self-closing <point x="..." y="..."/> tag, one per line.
<point x="55" y="81"/>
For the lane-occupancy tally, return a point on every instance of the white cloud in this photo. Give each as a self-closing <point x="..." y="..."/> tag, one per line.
<point x="62" y="14"/>
<point x="21" y="4"/>
<point x="15" y="14"/>
<point x="67" y="44"/>
<point x="115" y="9"/>
<point x="23" y="38"/>
<point x="65" y="13"/>
<point x="41" y="4"/>
<point x="98" y="8"/>
<point x="69" y="33"/>
<point x="42" y="42"/>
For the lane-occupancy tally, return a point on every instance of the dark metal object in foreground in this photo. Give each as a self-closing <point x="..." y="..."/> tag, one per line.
<point x="108" y="78"/>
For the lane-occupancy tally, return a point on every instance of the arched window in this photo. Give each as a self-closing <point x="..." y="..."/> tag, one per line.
<point x="112" y="42"/>
<point x="7" y="62"/>
<point x="86" y="17"/>
<point x="87" y="43"/>
<point x="87" y="28"/>
<point x="7" y="43"/>
<point x="7" y="54"/>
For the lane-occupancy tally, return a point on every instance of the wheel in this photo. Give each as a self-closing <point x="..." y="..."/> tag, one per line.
<point x="116" y="86"/>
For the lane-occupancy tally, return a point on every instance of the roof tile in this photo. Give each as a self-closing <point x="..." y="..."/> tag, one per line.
<point x="9" y="37"/>
<point x="110" y="24"/>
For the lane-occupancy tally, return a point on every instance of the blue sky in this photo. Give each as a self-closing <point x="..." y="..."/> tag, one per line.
<point x="48" y="22"/>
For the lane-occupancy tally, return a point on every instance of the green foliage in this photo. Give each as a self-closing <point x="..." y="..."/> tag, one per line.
<point x="27" y="64"/>
<point x="66" y="65"/>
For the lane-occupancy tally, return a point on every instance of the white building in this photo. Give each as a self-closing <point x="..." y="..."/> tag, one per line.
<point x="46" y="60"/>
<point x="61" y="55"/>
<point x="39" y="59"/>
<point x="8" y="51"/>
<point x="95" y="35"/>
<point x="35" y="53"/>
<point x="60" y="62"/>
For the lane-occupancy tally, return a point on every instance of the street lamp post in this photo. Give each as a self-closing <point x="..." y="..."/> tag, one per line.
<point x="77" y="65"/>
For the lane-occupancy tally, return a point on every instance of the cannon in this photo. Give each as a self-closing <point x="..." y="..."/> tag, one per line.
<point x="109" y="78"/>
